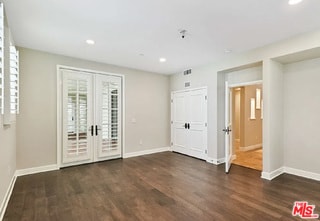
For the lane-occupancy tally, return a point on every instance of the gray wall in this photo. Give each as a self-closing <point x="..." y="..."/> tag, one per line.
<point x="302" y="115"/>
<point x="7" y="157"/>
<point x="8" y="132"/>
<point x="147" y="100"/>
<point x="273" y="153"/>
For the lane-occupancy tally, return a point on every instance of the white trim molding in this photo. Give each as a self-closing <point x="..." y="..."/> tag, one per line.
<point x="215" y="161"/>
<point x="273" y="174"/>
<point x="34" y="170"/>
<point x="146" y="152"/>
<point x="252" y="147"/>
<point x="291" y="171"/>
<point x="6" y="199"/>
<point x="302" y="173"/>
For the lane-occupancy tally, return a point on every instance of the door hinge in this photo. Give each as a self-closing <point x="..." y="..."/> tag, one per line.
<point x="227" y="130"/>
<point x="171" y="100"/>
<point x="171" y="122"/>
<point x="171" y="143"/>
<point x="205" y="97"/>
<point x="206" y="151"/>
<point x="205" y="124"/>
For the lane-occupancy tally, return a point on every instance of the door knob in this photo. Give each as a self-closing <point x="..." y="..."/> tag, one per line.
<point x="188" y="126"/>
<point x="185" y="125"/>
<point x="91" y="130"/>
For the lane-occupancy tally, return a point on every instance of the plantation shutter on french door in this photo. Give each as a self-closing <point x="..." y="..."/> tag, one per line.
<point x="108" y="116"/>
<point x="91" y="121"/>
<point x="77" y="117"/>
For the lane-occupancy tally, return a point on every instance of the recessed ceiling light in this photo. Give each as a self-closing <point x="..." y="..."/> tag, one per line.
<point x="90" y="42"/>
<point x="294" y="2"/>
<point x="162" y="60"/>
<point x="227" y="50"/>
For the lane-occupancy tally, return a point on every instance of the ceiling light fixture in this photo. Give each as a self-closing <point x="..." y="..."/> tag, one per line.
<point x="162" y="60"/>
<point x="90" y="42"/>
<point x="227" y="50"/>
<point x="294" y="2"/>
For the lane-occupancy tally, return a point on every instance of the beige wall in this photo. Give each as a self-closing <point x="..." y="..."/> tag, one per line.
<point x="236" y="113"/>
<point x="147" y="99"/>
<point x="252" y="128"/>
<point x="248" y="131"/>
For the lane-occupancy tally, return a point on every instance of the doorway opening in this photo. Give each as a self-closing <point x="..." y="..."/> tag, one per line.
<point x="246" y="111"/>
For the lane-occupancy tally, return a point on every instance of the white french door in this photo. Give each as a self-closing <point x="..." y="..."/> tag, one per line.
<point x="91" y="117"/>
<point x="108" y="115"/>
<point x="77" y="117"/>
<point x="189" y="122"/>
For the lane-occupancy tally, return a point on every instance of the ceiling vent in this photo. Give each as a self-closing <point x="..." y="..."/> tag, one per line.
<point x="186" y="72"/>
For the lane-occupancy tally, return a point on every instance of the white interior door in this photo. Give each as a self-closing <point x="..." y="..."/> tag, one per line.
<point x="197" y="123"/>
<point x="77" y="118"/>
<point x="179" y="122"/>
<point x="189" y="122"/>
<point x="228" y="128"/>
<point x="108" y="117"/>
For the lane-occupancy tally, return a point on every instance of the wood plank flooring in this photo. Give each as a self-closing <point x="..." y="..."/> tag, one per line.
<point x="165" y="186"/>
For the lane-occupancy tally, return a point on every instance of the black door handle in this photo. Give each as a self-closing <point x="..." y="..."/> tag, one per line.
<point x="185" y="125"/>
<point x="96" y="130"/>
<point x="91" y="130"/>
<point x="188" y="126"/>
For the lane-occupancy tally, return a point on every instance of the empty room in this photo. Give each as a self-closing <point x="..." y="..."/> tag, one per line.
<point x="159" y="110"/>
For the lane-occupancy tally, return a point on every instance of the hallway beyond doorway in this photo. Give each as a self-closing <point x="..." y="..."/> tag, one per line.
<point x="251" y="159"/>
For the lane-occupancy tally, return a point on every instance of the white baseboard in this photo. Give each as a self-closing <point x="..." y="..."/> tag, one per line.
<point x="215" y="161"/>
<point x="273" y="174"/>
<point x="302" y="173"/>
<point x="34" y="170"/>
<point x="6" y="199"/>
<point x="292" y="171"/>
<point x="145" y="152"/>
<point x="252" y="147"/>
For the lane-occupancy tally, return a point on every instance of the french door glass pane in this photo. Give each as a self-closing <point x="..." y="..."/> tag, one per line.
<point x="110" y="113"/>
<point x="77" y="111"/>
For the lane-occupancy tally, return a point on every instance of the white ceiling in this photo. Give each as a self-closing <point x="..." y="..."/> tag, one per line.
<point x="124" y="29"/>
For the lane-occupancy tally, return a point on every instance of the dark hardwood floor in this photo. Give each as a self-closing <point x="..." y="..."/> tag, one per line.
<point x="165" y="186"/>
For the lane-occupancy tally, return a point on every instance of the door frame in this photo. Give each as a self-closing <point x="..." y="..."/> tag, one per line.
<point x="171" y="116"/>
<point x="230" y="87"/>
<point x="60" y="111"/>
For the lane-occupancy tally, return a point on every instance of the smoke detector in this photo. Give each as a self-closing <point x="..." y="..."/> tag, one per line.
<point x="183" y="33"/>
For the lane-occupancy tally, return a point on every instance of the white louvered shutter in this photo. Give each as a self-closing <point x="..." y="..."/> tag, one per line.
<point x="14" y="80"/>
<point x="108" y="116"/>
<point x="77" y="117"/>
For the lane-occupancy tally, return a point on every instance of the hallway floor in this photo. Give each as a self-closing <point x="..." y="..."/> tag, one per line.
<point x="251" y="159"/>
